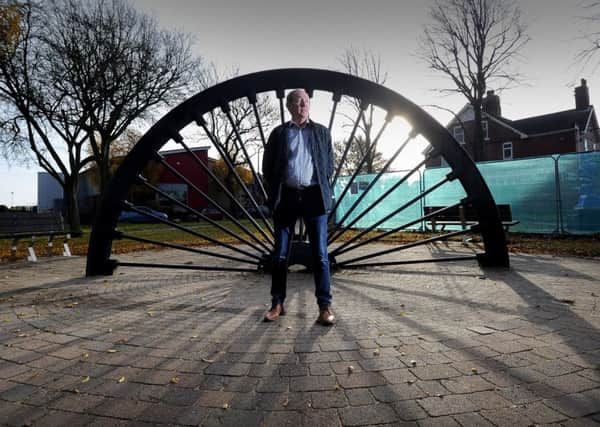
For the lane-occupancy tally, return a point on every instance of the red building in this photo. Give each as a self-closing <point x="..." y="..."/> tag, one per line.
<point x="567" y="131"/>
<point x="186" y="165"/>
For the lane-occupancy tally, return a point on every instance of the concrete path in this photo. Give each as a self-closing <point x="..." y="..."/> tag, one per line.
<point x="423" y="344"/>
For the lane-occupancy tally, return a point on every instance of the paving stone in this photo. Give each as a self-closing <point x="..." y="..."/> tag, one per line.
<point x="435" y="372"/>
<point x="230" y="369"/>
<point x="556" y="368"/>
<point x="467" y="384"/>
<point x="488" y="400"/>
<point x="62" y="418"/>
<point x="18" y="392"/>
<point x="119" y="408"/>
<point x="76" y="402"/>
<point x="233" y="418"/>
<point x="448" y="405"/>
<point x="540" y="413"/>
<point x="328" y="399"/>
<point x="339" y="346"/>
<point x="439" y="421"/>
<point x="409" y="410"/>
<point x="16" y="414"/>
<point x="359" y="397"/>
<point x="293" y="370"/>
<point x="291" y="419"/>
<point x="381" y="364"/>
<point x="214" y="399"/>
<point x="571" y="383"/>
<point x="360" y="379"/>
<point x="192" y="416"/>
<point x="318" y="383"/>
<point x="273" y="385"/>
<point x="321" y="417"/>
<point x="472" y="419"/>
<point x="573" y="405"/>
<point x="179" y="396"/>
<point x="392" y="393"/>
<point x="372" y="414"/>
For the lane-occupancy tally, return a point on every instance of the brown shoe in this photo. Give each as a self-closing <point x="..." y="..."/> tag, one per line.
<point x="274" y="313"/>
<point x="326" y="317"/>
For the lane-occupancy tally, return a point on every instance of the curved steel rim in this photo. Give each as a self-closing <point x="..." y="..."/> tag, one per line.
<point x="248" y="86"/>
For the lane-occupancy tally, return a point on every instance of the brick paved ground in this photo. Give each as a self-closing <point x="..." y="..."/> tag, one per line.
<point x="439" y="344"/>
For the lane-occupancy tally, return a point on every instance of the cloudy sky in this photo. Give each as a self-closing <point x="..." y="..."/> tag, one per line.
<point x="254" y="35"/>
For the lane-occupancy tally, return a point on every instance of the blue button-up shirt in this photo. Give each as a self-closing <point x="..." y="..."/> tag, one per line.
<point x="300" y="171"/>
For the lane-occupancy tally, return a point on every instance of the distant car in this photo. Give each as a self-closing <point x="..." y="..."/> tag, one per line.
<point x="212" y="213"/>
<point x="136" y="217"/>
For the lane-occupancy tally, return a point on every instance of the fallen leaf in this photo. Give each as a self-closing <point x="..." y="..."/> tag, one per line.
<point x="69" y="306"/>
<point x="285" y="402"/>
<point x="194" y="336"/>
<point x="338" y="387"/>
<point x="350" y="369"/>
<point x="205" y="360"/>
<point x="37" y="374"/>
<point x="121" y="380"/>
<point x="149" y="313"/>
<point x="474" y="370"/>
<point x="111" y="350"/>
<point x="413" y="363"/>
<point x="85" y="380"/>
<point x="175" y="380"/>
<point x="376" y="352"/>
<point x="85" y="355"/>
<point x="225" y="406"/>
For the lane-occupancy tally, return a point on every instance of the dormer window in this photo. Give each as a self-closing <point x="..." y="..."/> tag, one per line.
<point x="484" y="128"/>
<point x="459" y="134"/>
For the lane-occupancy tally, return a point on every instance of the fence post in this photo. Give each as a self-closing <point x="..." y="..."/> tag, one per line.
<point x="558" y="197"/>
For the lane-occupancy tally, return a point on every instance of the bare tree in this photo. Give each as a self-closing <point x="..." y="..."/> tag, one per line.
<point x="366" y="64"/>
<point x="354" y="157"/>
<point x="81" y="73"/>
<point x="244" y="121"/>
<point x="589" y="54"/>
<point x="474" y="43"/>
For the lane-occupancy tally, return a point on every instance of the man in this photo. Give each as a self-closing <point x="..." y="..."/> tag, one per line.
<point x="297" y="167"/>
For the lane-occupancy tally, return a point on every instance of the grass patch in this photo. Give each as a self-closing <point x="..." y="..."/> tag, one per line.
<point x="578" y="246"/>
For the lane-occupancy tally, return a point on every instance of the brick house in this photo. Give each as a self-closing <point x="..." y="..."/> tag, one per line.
<point x="567" y="131"/>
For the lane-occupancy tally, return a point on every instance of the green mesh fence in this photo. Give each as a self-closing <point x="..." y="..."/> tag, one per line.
<point x="406" y="191"/>
<point x="559" y="194"/>
<point x="579" y="178"/>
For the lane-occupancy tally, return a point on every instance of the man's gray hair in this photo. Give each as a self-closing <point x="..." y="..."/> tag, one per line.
<point x="291" y="95"/>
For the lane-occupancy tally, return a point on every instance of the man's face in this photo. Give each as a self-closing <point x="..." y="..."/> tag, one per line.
<point x="299" y="106"/>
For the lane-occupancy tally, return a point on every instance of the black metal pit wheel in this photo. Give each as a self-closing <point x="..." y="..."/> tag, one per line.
<point x="242" y="240"/>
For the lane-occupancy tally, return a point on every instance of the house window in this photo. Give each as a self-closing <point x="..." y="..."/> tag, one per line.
<point x="484" y="128"/>
<point x="507" y="151"/>
<point x="459" y="134"/>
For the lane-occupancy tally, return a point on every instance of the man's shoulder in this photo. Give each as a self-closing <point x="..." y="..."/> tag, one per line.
<point x="319" y="127"/>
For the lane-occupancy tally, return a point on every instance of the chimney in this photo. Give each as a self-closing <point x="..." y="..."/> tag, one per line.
<point x="491" y="104"/>
<point x="582" y="96"/>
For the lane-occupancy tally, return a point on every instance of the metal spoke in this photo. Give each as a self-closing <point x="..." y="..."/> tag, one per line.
<point x="227" y="110"/>
<point x="121" y="235"/>
<point x="252" y="99"/>
<point x="363" y="107"/>
<point x="183" y="267"/>
<point x="414" y="261"/>
<point x="370" y="148"/>
<point x="225" y="156"/>
<point x="336" y="99"/>
<point x="472" y="229"/>
<point x="193" y="211"/>
<point x="280" y="96"/>
<point x="215" y="204"/>
<point x="179" y="139"/>
<point x="401" y="227"/>
<point x="448" y="178"/>
<point x="379" y="199"/>
<point x="180" y="227"/>
<point x="332" y="238"/>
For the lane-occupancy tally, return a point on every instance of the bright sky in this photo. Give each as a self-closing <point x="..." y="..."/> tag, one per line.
<point x="265" y="34"/>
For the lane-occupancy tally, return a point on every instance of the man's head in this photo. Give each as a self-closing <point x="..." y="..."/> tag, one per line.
<point x="298" y="104"/>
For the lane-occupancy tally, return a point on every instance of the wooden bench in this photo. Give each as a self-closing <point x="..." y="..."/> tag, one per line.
<point x="464" y="215"/>
<point x="20" y="225"/>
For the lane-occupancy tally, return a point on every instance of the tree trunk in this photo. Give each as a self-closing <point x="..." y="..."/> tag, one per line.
<point x="70" y="190"/>
<point x="478" y="140"/>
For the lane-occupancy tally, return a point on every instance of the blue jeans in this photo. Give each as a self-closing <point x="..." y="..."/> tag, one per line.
<point x="316" y="227"/>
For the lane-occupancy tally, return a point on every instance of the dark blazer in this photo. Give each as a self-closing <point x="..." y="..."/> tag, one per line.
<point x="275" y="162"/>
